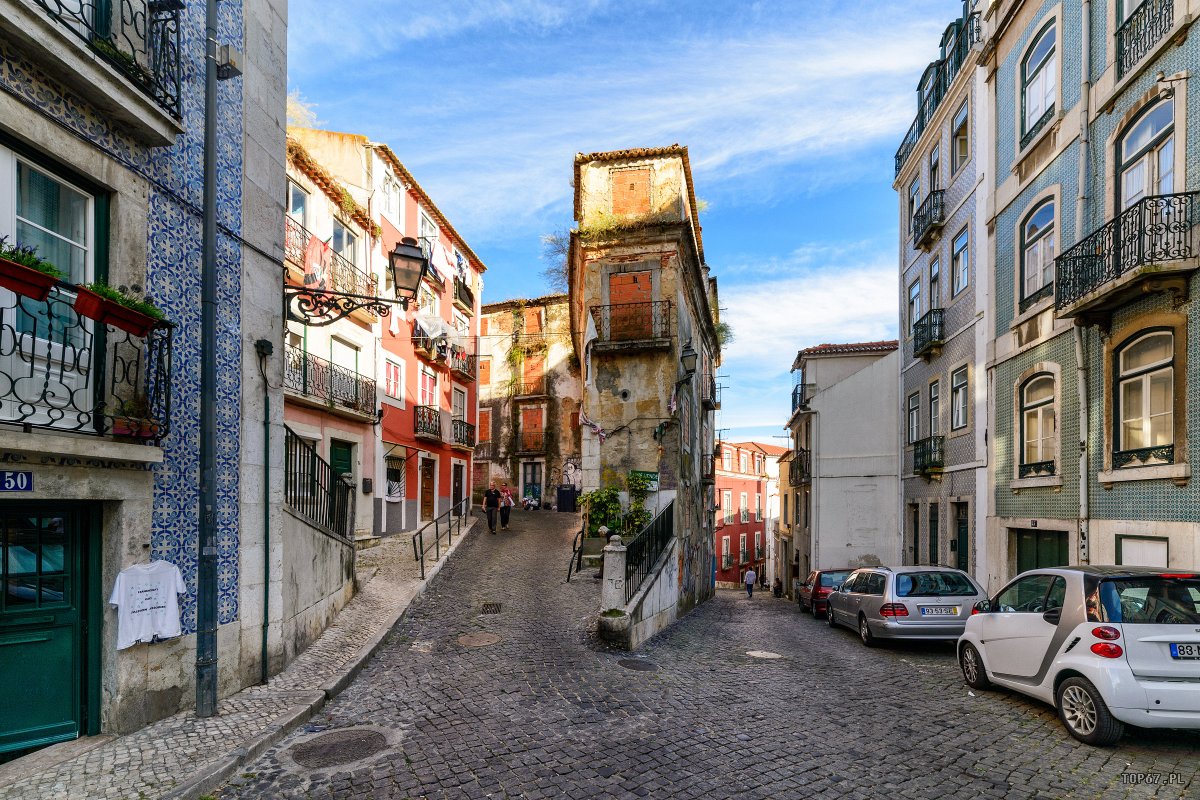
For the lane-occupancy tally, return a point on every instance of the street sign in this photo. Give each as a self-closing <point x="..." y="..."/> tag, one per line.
<point x="12" y="481"/>
<point x="650" y="476"/>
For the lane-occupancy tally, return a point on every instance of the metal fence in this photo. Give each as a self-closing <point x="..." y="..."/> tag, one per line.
<point x="448" y="523"/>
<point x="343" y="275"/>
<point x="642" y="553"/>
<point x="312" y="490"/>
<point x="929" y="454"/>
<point x="930" y="216"/>
<point x="462" y="433"/>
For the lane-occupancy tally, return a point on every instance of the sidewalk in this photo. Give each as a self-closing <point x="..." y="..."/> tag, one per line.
<point x="185" y="757"/>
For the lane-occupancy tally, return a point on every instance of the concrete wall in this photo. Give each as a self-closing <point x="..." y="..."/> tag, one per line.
<point x="318" y="580"/>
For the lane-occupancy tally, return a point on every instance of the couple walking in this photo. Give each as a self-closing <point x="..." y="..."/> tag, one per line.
<point x="498" y="500"/>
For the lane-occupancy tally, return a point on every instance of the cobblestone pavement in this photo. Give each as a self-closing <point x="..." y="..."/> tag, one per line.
<point x="547" y="712"/>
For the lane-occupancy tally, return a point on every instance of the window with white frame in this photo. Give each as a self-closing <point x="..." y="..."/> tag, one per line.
<point x="344" y="242"/>
<point x="960" y="139"/>
<point x="1037" y="419"/>
<point x="914" y="417"/>
<point x="727" y="505"/>
<point x="742" y="463"/>
<point x="935" y="408"/>
<point x="742" y="548"/>
<point x="758" y="544"/>
<point x="1039" y="81"/>
<point x="935" y="168"/>
<point x="1147" y="154"/>
<point x="427" y="232"/>
<point x="458" y="405"/>
<point x="1037" y="250"/>
<point x="935" y="283"/>
<point x="914" y="305"/>
<point x="914" y="201"/>
<point x="427" y="387"/>
<point x="393" y="379"/>
<point x="958" y="399"/>
<point x="726" y="459"/>
<point x="960" y="262"/>
<point x="725" y="547"/>
<point x="744" y="507"/>
<point x="758" y="507"/>
<point x="297" y="204"/>
<point x="1145" y="398"/>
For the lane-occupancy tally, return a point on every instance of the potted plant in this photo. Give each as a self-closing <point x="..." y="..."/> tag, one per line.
<point x="133" y="419"/>
<point x="120" y="307"/>
<point x="21" y="271"/>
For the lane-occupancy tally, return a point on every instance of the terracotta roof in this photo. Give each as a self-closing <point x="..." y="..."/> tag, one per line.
<point x="544" y="300"/>
<point x="768" y="449"/>
<point x="328" y="184"/>
<point x="846" y="348"/>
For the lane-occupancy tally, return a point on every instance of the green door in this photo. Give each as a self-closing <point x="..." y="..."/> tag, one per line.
<point x="341" y="462"/>
<point x="1041" y="549"/>
<point x="42" y="625"/>
<point x="341" y="457"/>
<point x="964" y="555"/>
<point x="934" y="523"/>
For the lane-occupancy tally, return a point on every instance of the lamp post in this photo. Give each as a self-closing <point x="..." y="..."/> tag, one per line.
<point x="318" y="307"/>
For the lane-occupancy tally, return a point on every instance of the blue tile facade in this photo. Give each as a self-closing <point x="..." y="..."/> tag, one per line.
<point x="173" y="278"/>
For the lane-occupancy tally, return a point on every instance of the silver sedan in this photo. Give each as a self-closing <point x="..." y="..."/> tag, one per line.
<point x="904" y="603"/>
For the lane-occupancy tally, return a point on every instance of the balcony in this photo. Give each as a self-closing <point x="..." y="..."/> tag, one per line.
<point x="531" y="442"/>
<point x="800" y="468"/>
<point x="61" y="371"/>
<point x="1147" y="248"/>
<point x="799" y="398"/>
<point x="726" y="560"/>
<point x="462" y="363"/>
<point x="528" y="389"/>
<point x="929" y="334"/>
<point x="462" y="434"/>
<point x="929" y="455"/>
<point x="308" y="377"/>
<point x="341" y="274"/>
<point x="485" y="451"/>
<point x="743" y="557"/>
<point x="930" y="217"/>
<point x="708" y="468"/>
<point x="633" y="326"/>
<point x="1145" y="28"/>
<point x="464" y="298"/>
<point x="710" y="394"/>
<point x="427" y="423"/>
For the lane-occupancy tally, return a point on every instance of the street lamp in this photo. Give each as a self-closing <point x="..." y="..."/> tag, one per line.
<point x="408" y="265"/>
<point x="688" y="358"/>
<point x="318" y="306"/>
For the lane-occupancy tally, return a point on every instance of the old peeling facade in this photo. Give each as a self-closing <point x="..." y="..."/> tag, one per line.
<point x="640" y="298"/>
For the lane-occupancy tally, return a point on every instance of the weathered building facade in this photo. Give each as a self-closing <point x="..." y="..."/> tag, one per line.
<point x="747" y="508"/>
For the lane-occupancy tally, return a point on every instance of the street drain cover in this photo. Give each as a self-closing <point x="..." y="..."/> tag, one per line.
<point x="478" y="639"/>
<point x="762" y="654"/>
<point x="491" y="608"/>
<point x="338" y="747"/>
<point x="638" y="664"/>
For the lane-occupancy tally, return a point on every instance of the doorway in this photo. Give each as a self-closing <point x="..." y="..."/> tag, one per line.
<point x="457" y="481"/>
<point x="1040" y="549"/>
<point x="934" y="525"/>
<point x="531" y="479"/>
<point x="962" y="528"/>
<point x="630" y="315"/>
<point x="428" y="474"/>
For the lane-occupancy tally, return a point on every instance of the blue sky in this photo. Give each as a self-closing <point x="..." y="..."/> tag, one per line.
<point x="791" y="112"/>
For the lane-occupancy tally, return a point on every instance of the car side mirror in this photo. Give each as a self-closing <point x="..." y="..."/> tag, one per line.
<point x="837" y="587"/>
<point x="983" y="606"/>
<point x="1053" y="616"/>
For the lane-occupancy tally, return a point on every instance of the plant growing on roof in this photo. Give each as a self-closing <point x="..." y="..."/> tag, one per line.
<point x="724" y="333"/>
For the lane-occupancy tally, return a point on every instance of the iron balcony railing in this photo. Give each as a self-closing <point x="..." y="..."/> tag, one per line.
<point x="427" y="422"/>
<point x="315" y="377"/>
<point x="929" y="454"/>
<point x="1144" y="456"/>
<point x="62" y="371"/>
<point x="464" y="298"/>
<point x="312" y="490"/>
<point x="708" y="467"/>
<point x="930" y="217"/>
<point x="710" y="393"/>
<point x="800" y="468"/>
<point x="642" y="553"/>
<point x="726" y="560"/>
<point x="485" y="451"/>
<point x="632" y="322"/>
<point x="1152" y="230"/>
<point x="533" y="388"/>
<point x="342" y="275"/>
<point x="138" y="38"/>
<point x="929" y="332"/>
<point x="532" y="441"/>
<point x="462" y="433"/>
<point x="799" y="397"/>
<point x="935" y="83"/>
<point x="1036" y="469"/>
<point x="1145" y="28"/>
<point x="463" y="363"/>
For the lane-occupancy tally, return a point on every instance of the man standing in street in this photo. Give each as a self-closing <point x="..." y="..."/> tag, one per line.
<point x="491" y="504"/>
<point x="751" y="577"/>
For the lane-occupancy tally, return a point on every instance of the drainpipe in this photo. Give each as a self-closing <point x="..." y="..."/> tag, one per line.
<point x="264" y="348"/>
<point x="1081" y="375"/>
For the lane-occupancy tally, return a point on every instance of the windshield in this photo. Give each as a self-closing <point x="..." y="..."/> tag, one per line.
<point x="831" y="579"/>
<point x="933" y="584"/>
<point x="1153" y="600"/>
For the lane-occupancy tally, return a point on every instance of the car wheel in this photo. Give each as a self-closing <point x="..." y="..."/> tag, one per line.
<point x="1083" y="712"/>
<point x="829" y="619"/>
<point x="803" y="605"/>
<point x="972" y="668"/>
<point x="817" y="614"/>
<point x="864" y="631"/>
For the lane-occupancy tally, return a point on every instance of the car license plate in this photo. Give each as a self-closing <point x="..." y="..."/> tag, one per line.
<point x="939" y="611"/>
<point x="1185" y="650"/>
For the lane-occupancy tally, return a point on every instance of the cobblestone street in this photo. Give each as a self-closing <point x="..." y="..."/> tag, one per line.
<point x="547" y="712"/>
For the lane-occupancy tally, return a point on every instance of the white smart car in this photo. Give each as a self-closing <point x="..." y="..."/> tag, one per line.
<point x="1104" y="645"/>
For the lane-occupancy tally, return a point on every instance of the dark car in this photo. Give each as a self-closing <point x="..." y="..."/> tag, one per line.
<point x="813" y="592"/>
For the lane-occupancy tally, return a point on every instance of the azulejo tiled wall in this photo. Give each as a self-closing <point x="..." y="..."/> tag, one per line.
<point x="173" y="278"/>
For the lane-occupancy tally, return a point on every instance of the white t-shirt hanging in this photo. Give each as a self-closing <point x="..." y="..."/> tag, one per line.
<point x="147" y="601"/>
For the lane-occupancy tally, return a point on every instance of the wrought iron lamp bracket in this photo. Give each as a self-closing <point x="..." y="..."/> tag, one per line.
<point x="318" y="307"/>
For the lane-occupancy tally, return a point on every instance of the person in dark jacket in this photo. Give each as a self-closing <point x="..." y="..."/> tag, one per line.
<point x="491" y="505"/>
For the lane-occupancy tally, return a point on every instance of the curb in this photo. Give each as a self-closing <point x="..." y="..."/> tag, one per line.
<point x="216" y="775"/>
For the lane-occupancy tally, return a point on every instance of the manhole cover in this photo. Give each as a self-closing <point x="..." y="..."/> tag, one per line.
<point x="638" y="664"/>
<point x="762" y="654"/>
<point x="478" y="639"/>
<point x="491" y="608"/>
<point x="338" y="747"/>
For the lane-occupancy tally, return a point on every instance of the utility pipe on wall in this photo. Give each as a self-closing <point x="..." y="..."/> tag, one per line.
<point x="1081" y="374"/>
<point x="264" y="348"/>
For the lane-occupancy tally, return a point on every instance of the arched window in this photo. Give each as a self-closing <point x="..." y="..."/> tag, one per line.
<point x="1145" y="400"/>
<point x="1037" y="252"/>
<point x="1146" y="155"/>
<point x="1039" y="81"/>
<point x="1037" y="425"/>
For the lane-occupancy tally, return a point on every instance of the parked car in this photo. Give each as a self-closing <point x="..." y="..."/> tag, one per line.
<point x="905" y="603"/>
<point x="813" y="594"/>
<point x="1105" y="645"/>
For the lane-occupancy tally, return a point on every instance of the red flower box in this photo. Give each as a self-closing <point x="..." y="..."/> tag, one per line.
<point x="25" y="280"/>
<point x="110" y="312"/>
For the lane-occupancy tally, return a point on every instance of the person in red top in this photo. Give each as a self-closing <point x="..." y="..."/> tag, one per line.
<point x="506" y="504"/>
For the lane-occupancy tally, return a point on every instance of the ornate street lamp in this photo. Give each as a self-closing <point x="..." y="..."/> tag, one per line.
<point x="688" y="358"/>
<point x="315" y="306"/>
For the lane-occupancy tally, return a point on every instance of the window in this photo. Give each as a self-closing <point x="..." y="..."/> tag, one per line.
<point x="958" y="399"/>
<point x="725" y="546"/>
<point x="935" y="283"/>
<point x="344" y="242"/>
<point x="1037" y="250"/>
<point x="1125" y="9"/>
<point x="1026" y="595"/>
<point x="914" y="417"/>
<point x="727" y="505"/>
<point x="1145" y="396"/>
<point x="960" y="140"/>
<point x="960" y="263"/>
<point x="393" y="379"/>
<point x="1038" y="83"/>
<point x="726" y="459"/>
<point x="935" y="164"/>
<point x="758" y="507"/>
<point x="485" y="370"/>
<point x="427" y="301"/>
<point x="935" y="408"/>
<point x="934" y="529"/>
<point x="458" y="405"/>
<point x="742" y="548"/>
<point x="914" y="305"/>
<point x="783" y="501"/>
<point x="875" y="584"/>
<point x="1037" y="420"/>
<point x="758" y="544"/>
<point x="742" y="462"/>
<point x="914" y="201"/>
<point x="1147" y="154"/>
<point x="427" y="233"/>
<point x="484" y="426"/>
<point x="461" y="323"/>
<point x="743" y="507"/>
<point x="427" y="389"/>
<point x="297" y="204"/>
<point x="395" y="478"/>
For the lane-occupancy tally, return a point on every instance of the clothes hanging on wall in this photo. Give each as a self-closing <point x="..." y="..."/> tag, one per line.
<point x="147" y="601"/>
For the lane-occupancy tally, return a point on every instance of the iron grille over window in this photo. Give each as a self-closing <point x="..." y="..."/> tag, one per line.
<point x="1144" y="28"/>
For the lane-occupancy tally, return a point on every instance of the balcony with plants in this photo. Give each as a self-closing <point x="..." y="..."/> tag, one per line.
<point x="326" y="385"/>
<point x="929" y="456"/>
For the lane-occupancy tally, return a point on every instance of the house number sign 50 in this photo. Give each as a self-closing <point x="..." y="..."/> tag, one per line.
<point x="12" y="481"/>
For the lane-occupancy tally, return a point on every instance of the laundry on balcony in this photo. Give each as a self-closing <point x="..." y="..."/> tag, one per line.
<point x="318" y="265"/>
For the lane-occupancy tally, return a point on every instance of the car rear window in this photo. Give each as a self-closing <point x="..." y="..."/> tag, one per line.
<point x="831" y="579"/>
<point x="1153" y="600"/>
<point x="933" y="584"/>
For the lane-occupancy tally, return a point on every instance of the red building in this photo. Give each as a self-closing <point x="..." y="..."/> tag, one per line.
<point x="741" y="534"/>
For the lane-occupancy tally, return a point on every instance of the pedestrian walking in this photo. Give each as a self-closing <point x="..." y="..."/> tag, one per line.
<point x="506" y="504"/>
<point x="751" y="577"/>
<point x="491" y="504"/>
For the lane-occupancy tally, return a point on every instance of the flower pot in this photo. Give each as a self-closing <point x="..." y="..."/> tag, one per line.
<point x="125" y="318"/>
<point x="25" y="280"/>
<point x="89" y="304"/>
<point x="135" y="428"/>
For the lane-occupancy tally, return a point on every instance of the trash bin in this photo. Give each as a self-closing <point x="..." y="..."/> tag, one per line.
<point x="566" y="497"/>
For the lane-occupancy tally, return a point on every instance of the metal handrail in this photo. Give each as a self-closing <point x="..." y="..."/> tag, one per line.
<point x="642" y="553"/>
<point x="576" y="562"/>
<point x="453" y="517"/>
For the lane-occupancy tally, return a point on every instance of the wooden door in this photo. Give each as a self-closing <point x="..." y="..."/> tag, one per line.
<point x="630" y="308"/>
<point x="428" y="474"/>
<point x="532" y="432"/>
<point x="457" y="480"/>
